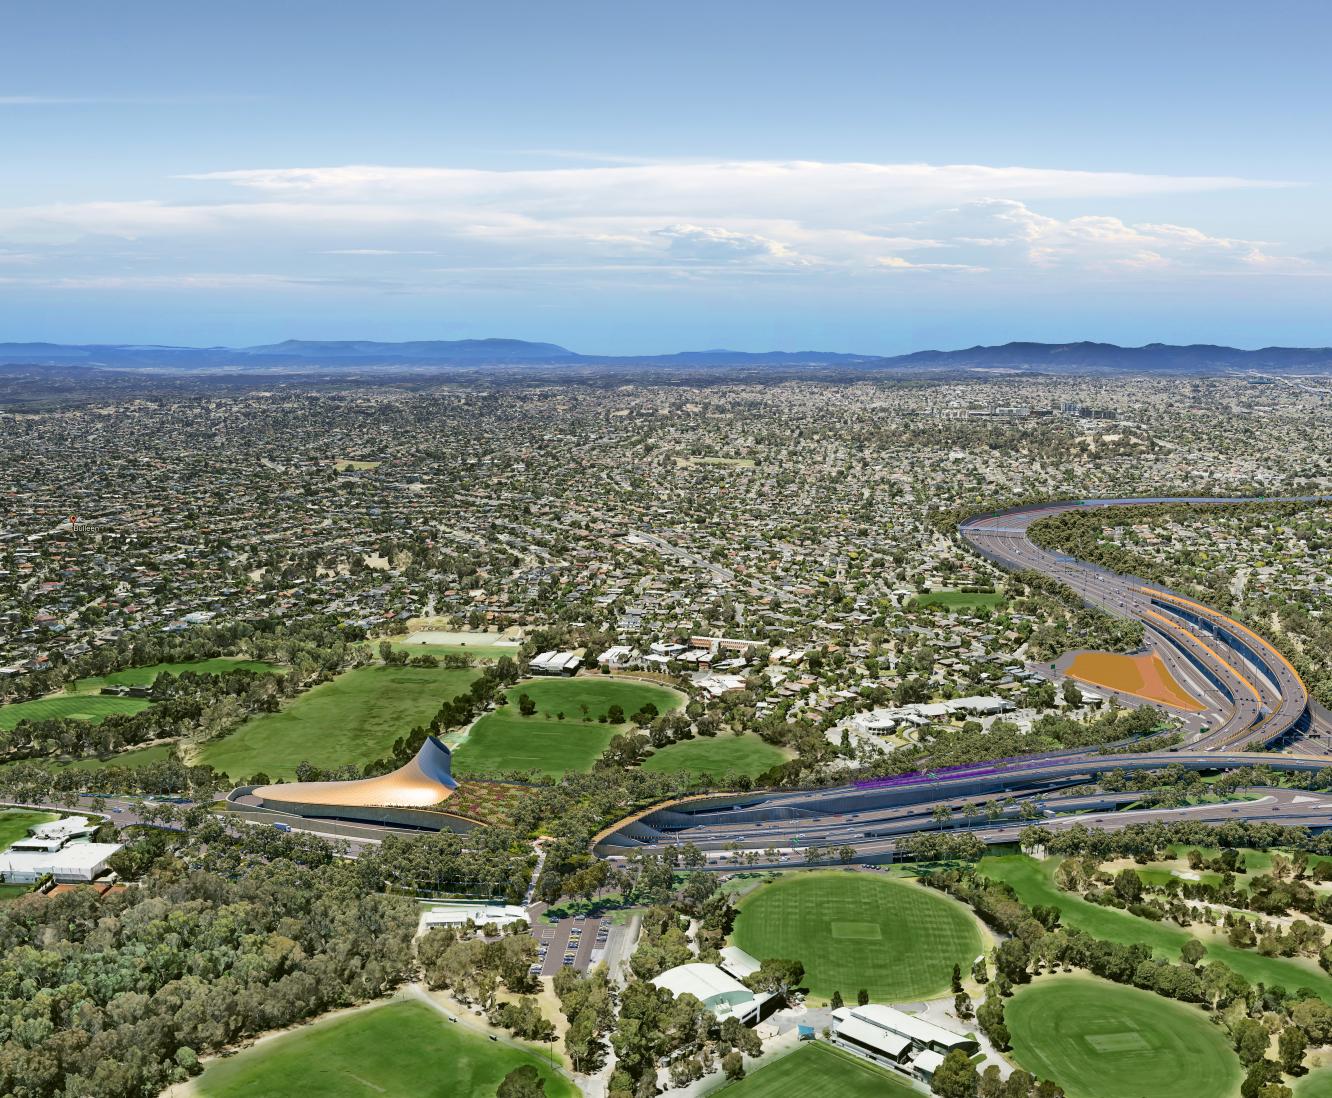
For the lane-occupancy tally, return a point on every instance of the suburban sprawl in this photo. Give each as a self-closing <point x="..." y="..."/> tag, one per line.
<point x="667" y="731"/>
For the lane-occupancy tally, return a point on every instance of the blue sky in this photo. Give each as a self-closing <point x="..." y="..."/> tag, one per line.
<point x="626" y="177"/>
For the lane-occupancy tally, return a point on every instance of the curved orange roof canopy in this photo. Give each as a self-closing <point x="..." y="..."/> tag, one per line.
<point x="422" y="783"/>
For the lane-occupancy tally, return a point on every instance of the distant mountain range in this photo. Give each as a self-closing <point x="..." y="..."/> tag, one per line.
<point x="303" y="356"/>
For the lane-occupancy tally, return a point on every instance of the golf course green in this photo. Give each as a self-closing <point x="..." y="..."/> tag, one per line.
<point x="84" y="703"/>
<point x="1317" y="1084"/>
<point x="1098" y="1039"/>
<point x="854" y="929"/>
<point x="146" y="676"/>
<point x="15" y="823"/>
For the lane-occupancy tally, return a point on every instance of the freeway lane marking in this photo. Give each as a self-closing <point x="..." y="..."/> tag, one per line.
<point x="1171" y="625"/>
<point x="1231" y="621"/>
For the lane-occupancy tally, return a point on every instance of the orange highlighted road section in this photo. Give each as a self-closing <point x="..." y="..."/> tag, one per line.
<point x="1143" y="676"/>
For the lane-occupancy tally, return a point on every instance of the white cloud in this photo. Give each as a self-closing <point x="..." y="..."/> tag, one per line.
<point x="711" y="242"/>
<point x="699" y="183"/>
<point x="668" y="220"/>
<point x="897" y="263"/>
<point x="1012" y="233"/>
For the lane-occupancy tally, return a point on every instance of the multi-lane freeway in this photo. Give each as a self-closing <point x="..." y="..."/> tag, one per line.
<point x="1252" y="693"/>
<point x="1252" y="697"/>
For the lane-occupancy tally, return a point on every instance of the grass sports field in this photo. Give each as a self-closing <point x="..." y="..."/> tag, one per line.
<point x="960" y="600"/>
<point x="1098" y="1039"/>
<point x="817" y="1070"/>
<point x="853" y="930"/>
<point x="504" y="740"/>
<point x="1034" y="882"/>
<point x="353" y="719"/>
<point x="145" y="676"/>
<point x="1317" y="1084"/>
<point x="482" y="652"/>
<point x="15" y="822"/>
<point x="717" y="756"/>
<point x="402" y="1050"/>
<point x="83" y="707"/>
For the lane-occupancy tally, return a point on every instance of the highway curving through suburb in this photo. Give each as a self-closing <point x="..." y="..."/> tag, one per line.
<point x="1252" y="697"/>
<point x="1252" y="693"/>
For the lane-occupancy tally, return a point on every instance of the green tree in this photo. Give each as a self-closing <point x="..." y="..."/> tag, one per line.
<point x="990" y="1018"/>
<point x="522" y="1082"/>
<point x="1192" y="952"/>
<point x="776" y="975"/>
<point x="1250" y="1040"/>
<point x="1291" y="1046"/>
<point x="733" y="1063"/>
<point x="956" y="1077"/>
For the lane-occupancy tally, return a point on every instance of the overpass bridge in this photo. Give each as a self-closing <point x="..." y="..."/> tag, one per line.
<point x="1253" y="698"/>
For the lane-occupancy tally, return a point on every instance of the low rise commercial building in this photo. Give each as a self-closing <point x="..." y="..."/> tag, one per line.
<point x="896" y="1039"/>
<point x="72" y="863"/>
<point x="480" y="914"/>
<point x="719" y="992"/>
<point x="555" y="663"/>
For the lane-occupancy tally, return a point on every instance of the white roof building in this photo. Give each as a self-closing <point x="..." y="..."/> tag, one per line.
<point x="555" y="663"/>
<point x="719" y="992"/>
<point x="883" y="1029"/>
<point x="717" y="685"/>
<point x="926" y="1063"/>
<point x="480" y="914"/>
<point x="619" y="655"/>
<point x="981" y="705"/>
<point x="738" y="963"/>
<point x="65" y="829"/>
<point x="73" y="863"/>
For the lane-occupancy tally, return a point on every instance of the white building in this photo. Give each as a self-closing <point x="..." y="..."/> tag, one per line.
<point x="73" y="863"/>
<point x="738" y="963"/>
<point x="898" y="1040"/>
<point x="981" y="705"/>
<point x="478" y="913"/>
<point x="61" y="831"/>
<point x="717" y="685"/>
<point x="555" y="663"/>
<point x="621" y="655"/>
<point x="719" y="992"/>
